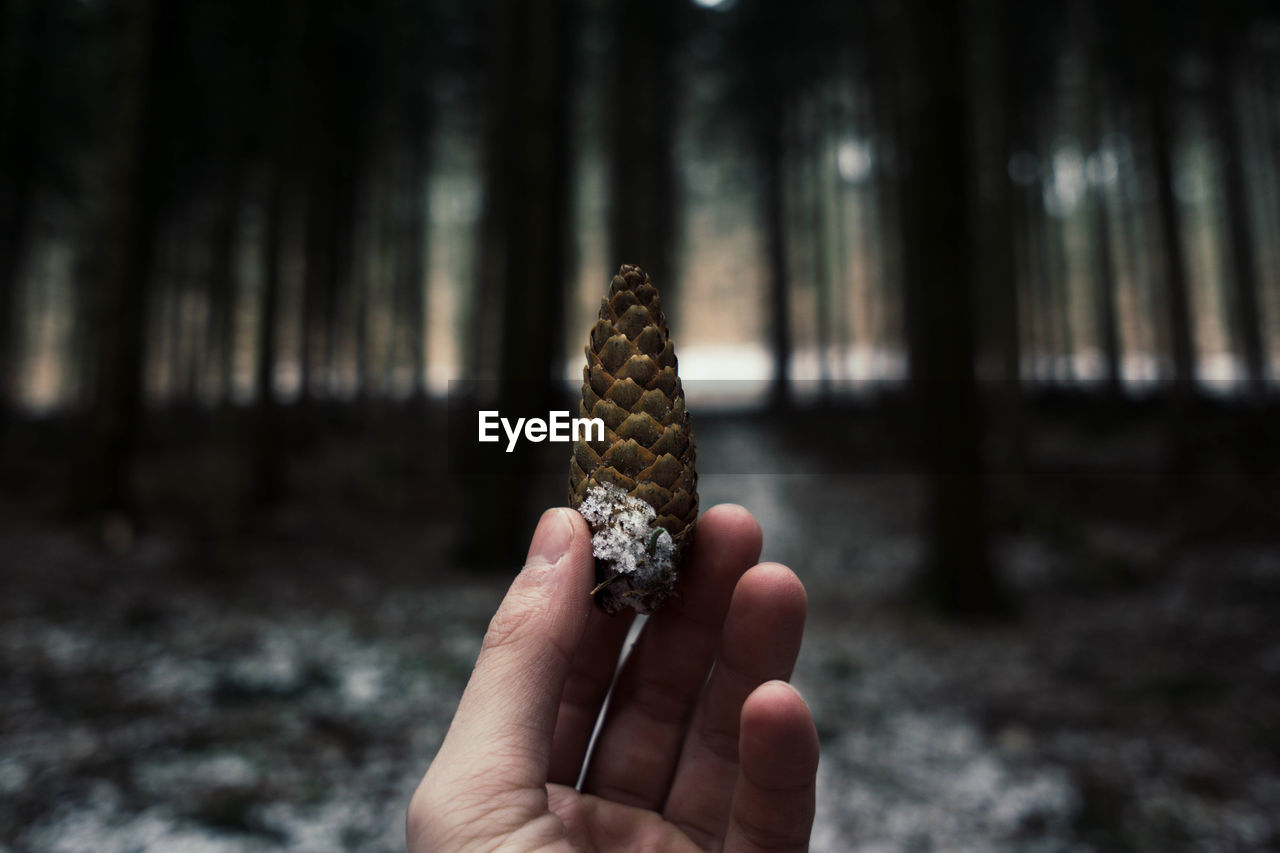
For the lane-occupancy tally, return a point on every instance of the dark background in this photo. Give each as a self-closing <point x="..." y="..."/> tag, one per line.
<point x="978" y="309"/>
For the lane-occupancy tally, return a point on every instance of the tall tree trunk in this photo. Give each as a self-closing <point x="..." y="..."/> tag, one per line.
<point x="320" y="267"/>
<point x="125" y="253"/>
<point x="1245" y="315"/>
<point x="1058" y="294"/>
<point x="838" y="234"/>
<point x="642" y="111"/>
<point x="772" y="136"/>
<point x="884" y="120"/>
<point x="1175" y="267"/>
<point x="341" y="279"/>
<point x="21" y="133"/>
<point x="267" y="465"/>
<point x="959" y="577"/>
<point x="527" y="190"/>
<point x="536" y="216"/>
<point x="1158" y="89"/>
<point x="812" y="181"/>
<point x="1007" y="135"/>
<point x="1040" y="331"/>
<point x="413" y="244"/>
<point x="1104" y="264"/>
<point x="222" y="289"/>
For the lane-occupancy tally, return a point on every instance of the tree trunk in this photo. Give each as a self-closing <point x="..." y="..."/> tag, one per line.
<point x="222" y="289"/>
<point x="267" y="464"/>
<point x="125" y="253"/>
<point x="320" y="269"/>
<point x="413" y="244"/>
<point x="1104" y="263"/>
<point x="812" y="181"/>
<point x="772" y="132"/>
<point x="642" y="108"/>
<point x="527" y="189"/>
<point x="1175" y="268"/>
<point x="1245" y="314"/>
<point x="21" y="133"/>
<point x="1007" y="136"/>
<point x="959" y="577"/>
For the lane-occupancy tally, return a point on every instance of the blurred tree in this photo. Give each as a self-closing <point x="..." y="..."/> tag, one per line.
<point x="812" y="177"/>
<point x="410" y="249"/>
<point x="771" y="138"/>
<point x="1153" y="54"/>
<point x="221" y="284"/>
<point x="265" y="458"/>
<point x="1096" y="103"/>
<point x="23" y="48"/>
<point x="1007" y="81"/>
<point x="340" y="64"/>
<point x="410" y="44"/>
<point x="642" y="113"/>
<point x="1245" y="316"/>
<point x="959" y="576"/>
<point x="124" y="249"/>
<point x="523" y="241"/>
<point x="775" y="54"/>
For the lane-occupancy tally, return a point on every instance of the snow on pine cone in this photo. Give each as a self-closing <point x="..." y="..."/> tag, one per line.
<point x="637" y="488"/>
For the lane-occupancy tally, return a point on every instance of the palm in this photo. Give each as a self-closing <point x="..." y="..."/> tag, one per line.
<point x="595" y="824"/>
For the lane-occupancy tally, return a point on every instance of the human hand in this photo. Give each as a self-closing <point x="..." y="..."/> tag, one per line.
<point x="682" y="761"/>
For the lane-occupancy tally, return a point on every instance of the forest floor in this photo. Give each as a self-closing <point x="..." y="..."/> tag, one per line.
<point x="293" y="700"/>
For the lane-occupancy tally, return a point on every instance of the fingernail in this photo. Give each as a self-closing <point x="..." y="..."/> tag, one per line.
<point x="551" y="538"/>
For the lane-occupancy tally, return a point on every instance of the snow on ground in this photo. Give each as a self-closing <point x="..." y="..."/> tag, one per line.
<point x="143" y="710"/>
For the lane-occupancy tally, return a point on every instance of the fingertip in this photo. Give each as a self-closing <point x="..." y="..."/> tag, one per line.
<point x="775" y="584"/>
<point x="778" y="744"/>
<point x="557" y="531"/>
<point x="764" y="628"/>
<point x="736" y="519"/>
<point x="728" y="534"/>
<point x="575" y="518"/>
<point x="773" y="802"/>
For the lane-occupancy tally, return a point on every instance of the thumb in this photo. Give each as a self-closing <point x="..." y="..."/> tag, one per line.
<point x="500" y="738"/>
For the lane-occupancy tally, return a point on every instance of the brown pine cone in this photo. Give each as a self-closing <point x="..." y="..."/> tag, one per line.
<point x="637" y="488"/>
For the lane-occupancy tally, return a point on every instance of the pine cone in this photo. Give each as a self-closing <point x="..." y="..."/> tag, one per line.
<point x="637" y="488"/>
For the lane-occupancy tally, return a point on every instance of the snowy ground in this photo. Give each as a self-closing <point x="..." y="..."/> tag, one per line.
<point x="295" y="707"/>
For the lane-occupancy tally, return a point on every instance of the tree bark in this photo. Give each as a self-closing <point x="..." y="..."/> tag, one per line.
<point x="267" y="465"/>
<point x="125" y="252"/>
<point x="524" y="245"/>
<point x="222" y="290"/>
<point x="21" y="134"/>
<point x="1007" y="135"/>
<point x="772" y="139"/>
<point x="643" y="208"/>
<point x="413" y="243"/>
<point x="1104" y="265"/>
<point x="958" y="578"/>
<point x="1175" y="269"/>
<point x="1244" y="280"/>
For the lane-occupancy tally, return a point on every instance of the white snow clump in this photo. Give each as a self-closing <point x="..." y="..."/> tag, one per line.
<point x="625" y="535"/>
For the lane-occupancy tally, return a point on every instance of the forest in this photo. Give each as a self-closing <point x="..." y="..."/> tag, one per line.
<point x="977" y="306"/>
